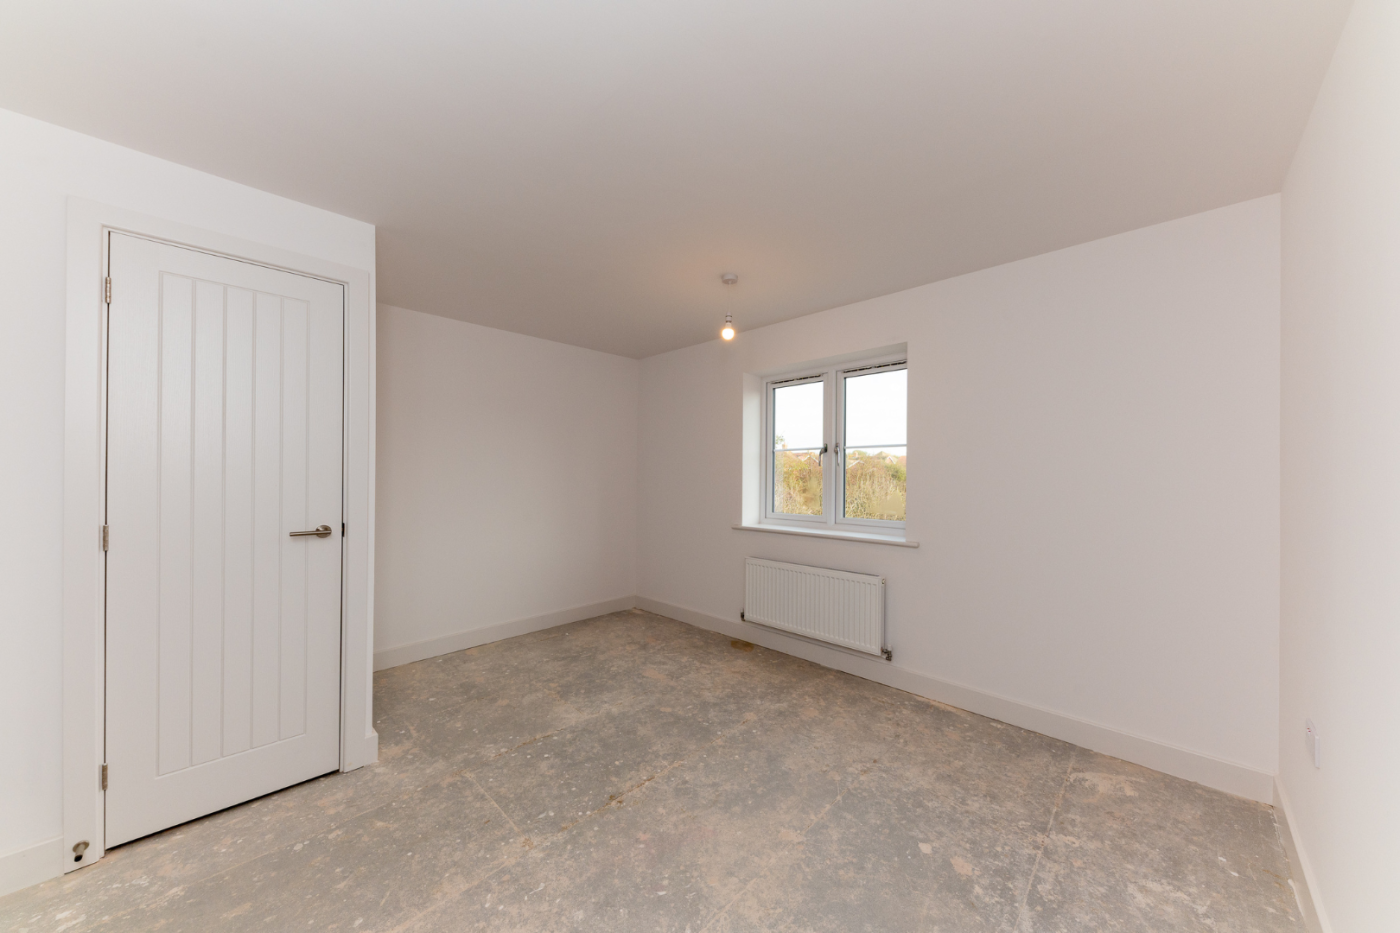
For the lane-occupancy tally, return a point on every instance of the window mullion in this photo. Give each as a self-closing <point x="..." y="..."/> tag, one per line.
<point x="829" y="477"/>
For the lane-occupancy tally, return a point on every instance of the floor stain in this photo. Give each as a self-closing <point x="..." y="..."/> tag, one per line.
<point x="629" y="773"/>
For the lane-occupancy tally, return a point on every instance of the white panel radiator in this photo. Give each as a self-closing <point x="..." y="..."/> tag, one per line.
<point x="846" y="609"/>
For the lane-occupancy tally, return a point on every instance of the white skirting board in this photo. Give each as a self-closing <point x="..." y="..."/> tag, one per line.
<point x="1229" y="776"/>
<point x="459" y="641"/>
<point x="31" y="865"/>
<point x="1304" y="885"/>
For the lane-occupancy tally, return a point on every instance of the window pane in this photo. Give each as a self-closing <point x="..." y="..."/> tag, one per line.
<point x="874" y="450"/>
<point x="797" y="442"/>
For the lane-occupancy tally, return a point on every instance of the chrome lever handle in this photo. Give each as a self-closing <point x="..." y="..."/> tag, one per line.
<point x="324" y="531"/>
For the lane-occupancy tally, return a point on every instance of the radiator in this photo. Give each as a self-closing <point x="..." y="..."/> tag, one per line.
<point x="846" y="609"/>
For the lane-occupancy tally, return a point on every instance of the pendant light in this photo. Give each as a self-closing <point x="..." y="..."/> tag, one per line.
<point x="727" y="332"/>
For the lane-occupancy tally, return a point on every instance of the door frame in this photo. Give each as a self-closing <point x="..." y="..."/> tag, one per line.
<point x="84" y="482"/>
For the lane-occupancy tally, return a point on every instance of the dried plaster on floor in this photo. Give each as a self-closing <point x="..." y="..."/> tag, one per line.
<point x="633" y="773"/>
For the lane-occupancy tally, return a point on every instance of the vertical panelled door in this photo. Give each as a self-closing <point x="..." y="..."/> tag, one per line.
<point x="224" y="439"/>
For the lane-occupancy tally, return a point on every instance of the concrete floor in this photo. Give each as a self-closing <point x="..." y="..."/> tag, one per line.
<point x="633" y="773"/>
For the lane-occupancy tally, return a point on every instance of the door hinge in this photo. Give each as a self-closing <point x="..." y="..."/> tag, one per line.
<point x="104" y="775"/>
<point x="104" y="537"/>
<point x="342" y="529"/>
<point x="107" y="290"/>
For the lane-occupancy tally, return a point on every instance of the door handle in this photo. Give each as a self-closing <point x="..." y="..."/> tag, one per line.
<point x="324" y="531"/>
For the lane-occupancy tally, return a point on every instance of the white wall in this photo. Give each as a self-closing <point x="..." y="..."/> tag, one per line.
<point x="1341" y="478"/>
<point x="507" y="479"/>
<point x="1093" y="477"/>
<point x="40" y="166"/>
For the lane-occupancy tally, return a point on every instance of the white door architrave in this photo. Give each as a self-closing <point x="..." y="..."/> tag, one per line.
<point x="84" y="698"/>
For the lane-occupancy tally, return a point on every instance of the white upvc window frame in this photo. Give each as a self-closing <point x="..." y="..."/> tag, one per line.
<point x="833" y="379"/>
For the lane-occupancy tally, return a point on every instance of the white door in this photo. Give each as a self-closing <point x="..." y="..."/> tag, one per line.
<point x="223" y="438"/>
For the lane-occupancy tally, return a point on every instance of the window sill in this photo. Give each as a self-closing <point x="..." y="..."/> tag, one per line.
<point x="823" y="533"/>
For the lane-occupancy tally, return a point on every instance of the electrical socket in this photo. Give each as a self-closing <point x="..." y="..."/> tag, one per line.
<point x="1314" y="743"/>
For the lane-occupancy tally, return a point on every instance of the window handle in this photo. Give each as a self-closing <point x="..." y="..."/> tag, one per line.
<point x="820" y="453"/>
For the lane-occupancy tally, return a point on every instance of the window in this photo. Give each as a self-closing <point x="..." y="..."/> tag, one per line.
<point x="837" y="447"/>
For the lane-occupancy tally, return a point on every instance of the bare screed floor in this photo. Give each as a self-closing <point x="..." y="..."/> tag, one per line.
<point x="631" y="772"/>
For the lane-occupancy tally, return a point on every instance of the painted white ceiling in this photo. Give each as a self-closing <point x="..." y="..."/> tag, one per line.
<point x="585" y="171"/>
